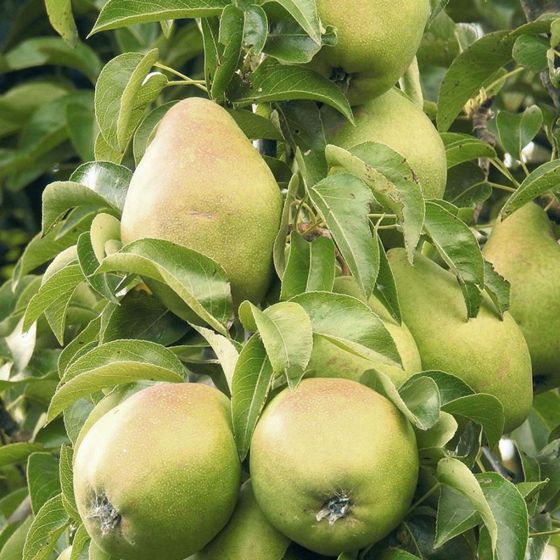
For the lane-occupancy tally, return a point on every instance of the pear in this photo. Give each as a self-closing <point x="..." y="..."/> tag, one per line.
<point x="392" y="119"/>
<point x="201" y="184"/>
<point x="525" y="251"/>
<point x="248" y="534"/>
<point x="158" y="475"/>
<point x="329" y="360"/>
<point x="376" y="43"/>
<point x="334" y="465"/>
<point x="487" y="352"/>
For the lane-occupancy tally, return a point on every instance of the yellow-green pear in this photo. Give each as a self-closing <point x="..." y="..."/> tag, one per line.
<point x="334" y="465"/>
<point x="158" y="475"/>
<point x="377" y="41"/>
<point x="392" y="119"/>
<point x="248" y="535"/>
<point x="525" y="251"/>
<point x="487" y="352"/>
<point x="202" y="184"/>
<point x="329" y="360"/>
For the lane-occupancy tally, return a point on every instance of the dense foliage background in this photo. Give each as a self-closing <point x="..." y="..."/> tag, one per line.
<point x="80" y="95"/>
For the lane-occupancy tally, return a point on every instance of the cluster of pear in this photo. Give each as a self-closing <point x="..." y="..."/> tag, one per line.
<point x="156" y="472"/>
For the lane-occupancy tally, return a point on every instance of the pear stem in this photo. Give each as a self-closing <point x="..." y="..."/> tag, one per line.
<point x="545" y="533"/>
<point x="185" y="79"/>
<point x="410" y="84"/>
<point x="504" y="171"/>
<point x="501" y="187"/>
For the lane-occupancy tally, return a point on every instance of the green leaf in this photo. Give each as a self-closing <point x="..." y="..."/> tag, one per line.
<point x="80" y="126"/>
<point x="455" y="515"/>
<point x="62" y="20"/>
<point x="67" y="482"/>
<point x="252" y="381"/>
<point x="392" y="181"/>
<point x="272" y="81"/>
<point x="350" y="324"/>
<point x="460" y="148"/>
<point x="41" y="51"/>
<point x="306" y="15"/>
<point x="79" y="542"/>
<point x="46" y="528"/>
<point x="122" y="92"/>
<point x="344" y="202"/>
<point x="418" y="399"/>
<point x="385" y="288"/>
<point x="121" y="13"/>
<point x="458" y="476"/>
<point x="232" y="24"/>
<point x="255" y="126"/>
<point x="439" y="435"/>
<point x="310" y="266"/>
<point x="510" y="513"/>
<point x="543" y="179"/>
<point x="144" y="133"/>
<point x="531" y="51"/>
<point x="517" y="130"/>
<point x="104" y="152"/>
<point x="42" y="479"/>
<point x="469" y="72"/>
<point x="497" y="288"/>
<point x="255" y="30"/>
<point x="279" y="251"/>
<point x="17" y="453"/>
<point x="115" y="363"/>
<point x="287" y="335"/>
<point x="458" y="247"/>
<point x="199" y="281"/>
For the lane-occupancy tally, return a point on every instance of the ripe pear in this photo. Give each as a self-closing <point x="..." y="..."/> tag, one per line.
<point x="201" y="184"/>
<point x="334" y="465"/>
<point x="329" y="360"/>
<point x="392" y="119"/>
<point x="525" y="251"/>
<point x="487" y="352"/>
<point x="377" y="41"/>
<point x="158" y="476"/>
<point x="247" y="535"/>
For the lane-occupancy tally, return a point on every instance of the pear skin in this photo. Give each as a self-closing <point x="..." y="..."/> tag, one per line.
<point x="201" y="184"/>
<point x="488" y="353"/>
<point x="248" y="534"/>
<point x="524" y="250"/>
<point x="392" y="119"/>
<point x="377" y="41"/>
<point x="329" y="360"/>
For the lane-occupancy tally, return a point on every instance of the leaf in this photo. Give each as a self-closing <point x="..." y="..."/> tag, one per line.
<point x="306" y="15"/>
<point x="467" y="186"/>
<point x="418" y="399"/>
<point x="119" y="102"/>
<point x="255" y="126"/>
<point x="199" y="281"/>
<point x="62" y="19"/>
<point x="351" y="325"/>
<point x="42" y="478"/>
<point x="232" y="24"/>
<point x="531" y="51"/>
<point x="385" y="288"/>
<point x="497" y="288"/>
<point x="121" y="13"/>
<point x="67" y="482"/>
<point x="16" y="453"/>
<point x="517" y="130"/>
<point x="279" y="251"/>
<point x="541" y="180"/>
<point x="344" y="203"/>
<point x="458" y="247"/>
<point x="460" y="148"/>
<point x="46" y="528"/>
<point x="252" y="381"/>
<point x="392" y="181"/>
<point x="272" y="81"/>
<point x="255" y="30"/>
<point x="468" y="73"/>
<point x="286" y="332"/>
<point x="510" y="513"/>
<point x="80" y="127"/>
<point x="310" y="266"/>
<point x="458" y="476"/>
<point x="455" y="515"/>
<point x="79" y="542"/>
<point x="144" y="133"/>
<point x="114" y="363"/>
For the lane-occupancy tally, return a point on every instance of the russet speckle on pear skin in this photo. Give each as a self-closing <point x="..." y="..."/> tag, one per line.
<point x="201" y="184"/>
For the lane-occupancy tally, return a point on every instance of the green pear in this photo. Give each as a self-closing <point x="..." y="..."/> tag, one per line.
<point x="334" y="465"/>
<point x="201" y="184"/>
<point x="65" y="554"/>
<point x="377" y="42"/>
<point x="158" y="475"/>
<point x="395" y="121"/>
<point x="487" y="352"/>
<point x="525" y="251"/>
<point x="329" y="360"/>
<point x="247" y="535"/>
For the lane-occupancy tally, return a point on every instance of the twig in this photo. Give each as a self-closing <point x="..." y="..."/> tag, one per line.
<point x="496" y="465"/>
